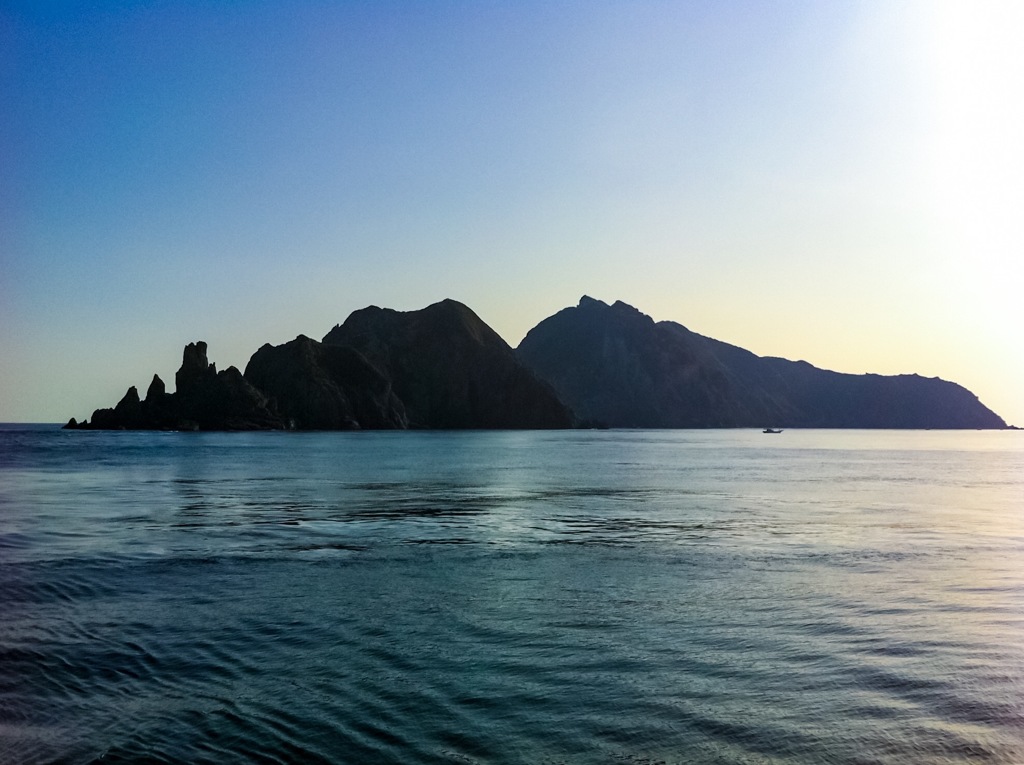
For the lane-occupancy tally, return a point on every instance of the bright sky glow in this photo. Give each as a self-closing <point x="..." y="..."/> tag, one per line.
<point x="837" y="182"/>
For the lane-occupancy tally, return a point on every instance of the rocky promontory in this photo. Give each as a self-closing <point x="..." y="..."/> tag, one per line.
<point x="450" y="369"/>
<point x="614" y="364"/>
<point x="205" y="400"/>
<point x="598" y="364"/>
<point x="440" y="367"/>
<point x="323" y="387"/>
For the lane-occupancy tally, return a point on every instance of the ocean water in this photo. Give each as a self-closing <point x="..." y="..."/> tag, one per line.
<point x="512" y="597"/>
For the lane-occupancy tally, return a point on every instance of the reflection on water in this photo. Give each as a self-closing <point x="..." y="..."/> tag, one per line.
<point x="493" y="597"/>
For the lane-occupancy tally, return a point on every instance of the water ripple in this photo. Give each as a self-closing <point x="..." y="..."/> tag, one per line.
<point x="508" y="598"/>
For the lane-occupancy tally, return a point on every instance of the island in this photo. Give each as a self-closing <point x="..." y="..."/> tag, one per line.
<point x="591" y="365"/>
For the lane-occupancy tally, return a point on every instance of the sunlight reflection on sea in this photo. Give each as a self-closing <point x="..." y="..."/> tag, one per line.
<point x="493" y="597"/>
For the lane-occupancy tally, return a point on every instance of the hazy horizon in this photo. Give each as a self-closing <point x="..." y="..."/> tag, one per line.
<point x="836" y="183"/>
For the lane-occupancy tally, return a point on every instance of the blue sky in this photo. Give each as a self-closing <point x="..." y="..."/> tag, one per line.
<point x="837" y="182"/>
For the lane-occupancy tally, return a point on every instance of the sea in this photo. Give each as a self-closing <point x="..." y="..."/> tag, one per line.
<point x="591" y="596"/>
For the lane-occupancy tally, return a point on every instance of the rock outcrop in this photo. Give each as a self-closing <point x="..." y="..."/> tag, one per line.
<point x="450" y="369"/>
<point x="441" y="367"/>
<point x="205" y="400"/>
<point x="325" y="387"/>
<point x="614" y="365"/>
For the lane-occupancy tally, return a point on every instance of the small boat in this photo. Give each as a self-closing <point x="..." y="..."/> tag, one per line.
<point x="771" y="430"/>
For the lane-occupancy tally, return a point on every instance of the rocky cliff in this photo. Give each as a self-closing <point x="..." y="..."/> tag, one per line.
<point x="205" y="399"/>
<point x="323" y="387"/>
<point x="450" y="369"/>
<point x="441" y="367"/>
<point x="614" y="365"/>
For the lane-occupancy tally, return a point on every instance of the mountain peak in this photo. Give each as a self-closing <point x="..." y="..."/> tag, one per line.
<point x="450" y="369"/>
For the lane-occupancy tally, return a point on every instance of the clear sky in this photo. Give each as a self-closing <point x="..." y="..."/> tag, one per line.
<point x="840" y="182"/>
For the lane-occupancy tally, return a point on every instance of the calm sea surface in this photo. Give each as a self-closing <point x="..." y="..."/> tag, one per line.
<point x="509" y="597"/>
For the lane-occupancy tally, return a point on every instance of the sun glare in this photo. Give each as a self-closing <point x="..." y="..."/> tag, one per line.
<point x="976" y="67"/>
<point x="974" y="75"/>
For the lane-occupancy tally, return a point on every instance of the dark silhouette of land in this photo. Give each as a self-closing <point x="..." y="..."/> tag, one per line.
<point x="440" y="367"/>
<point x="591" y="365"/>
<point x="615" y="365"/>
<point x="450" y="369"/>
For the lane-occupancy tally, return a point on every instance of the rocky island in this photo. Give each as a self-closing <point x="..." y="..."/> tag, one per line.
<point x="440" y="367"/>
<point x="593" y="364"/>
<point x="613" y="364"/>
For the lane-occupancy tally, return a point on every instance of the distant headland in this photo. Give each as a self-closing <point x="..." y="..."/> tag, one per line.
<point x="592" y="365"/>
